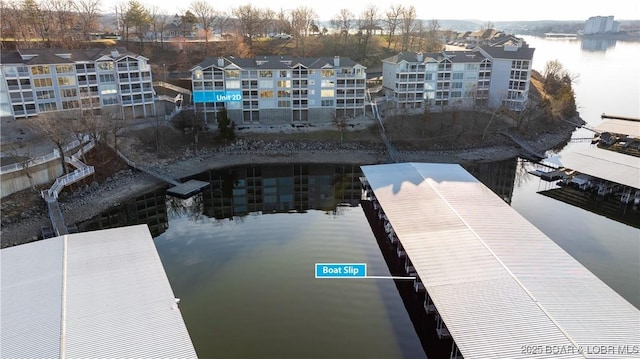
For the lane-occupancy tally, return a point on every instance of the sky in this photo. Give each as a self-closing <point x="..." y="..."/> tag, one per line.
<point x="495" y="10"/>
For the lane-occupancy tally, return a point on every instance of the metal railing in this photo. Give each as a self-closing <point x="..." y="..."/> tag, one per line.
<point x="68" y="179"/>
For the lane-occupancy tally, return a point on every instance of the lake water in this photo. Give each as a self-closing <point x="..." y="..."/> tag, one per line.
<point x="241" y="254"/>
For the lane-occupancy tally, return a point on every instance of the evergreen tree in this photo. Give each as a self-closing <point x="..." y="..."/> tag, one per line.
<point x="226" y="127"/>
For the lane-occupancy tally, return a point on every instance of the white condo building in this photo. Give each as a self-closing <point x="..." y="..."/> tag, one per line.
<point x="488" y="75"/>
<point x="279" y="89"/>
<point x="43" y="80"/>
<point x="601" y="25"/>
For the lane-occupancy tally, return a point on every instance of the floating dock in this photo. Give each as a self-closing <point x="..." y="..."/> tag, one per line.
<point x="187" y="189"/>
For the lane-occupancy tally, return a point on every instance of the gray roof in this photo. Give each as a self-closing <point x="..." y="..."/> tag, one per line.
<point x="101" y="294"/>
<point x="604" y="164"/>
<point x="498" y="282"/>
<point x="45" y="56"/>
<point x="453" y="56"/>
<point x="621" y="127"/>
<point x="278" y="62"/>
<point x="498" y="52"/>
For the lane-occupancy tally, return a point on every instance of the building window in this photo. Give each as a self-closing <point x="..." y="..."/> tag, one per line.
<point x="45" y="82"/>
<point x="66" y="80"/>
<point x="266" y="84"/>
<point x="69" y="93"/>
<point x="40" y="70"/>
<point x="327" y="83"/>
<point x="232" y="73"/>
<point x="328" y="73"/>
<point x="47" y="94"/>
<point x="107" y="78"/>
<point x="64" y="69"/>
<point x="458" y="75"/>
<point x="266" y="94"/>
<point x="233" y="84"/>
<point x="284" y="103"/>
<point x="284" y="93"/>
<point x="111" y="100"/>
<point x="47" y="106"/>
<point x="67" y="105"/>
<point x="327" y="93"/>
<point x="105" y="66"/>
<point x="265" y="73"/>
<point x="327" y="103"/>
<point x="285" y="84"/>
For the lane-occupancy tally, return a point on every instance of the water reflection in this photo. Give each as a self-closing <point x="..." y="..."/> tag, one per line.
<point x="149" y="208"/>
<point x="235" y="192"/>
<point x="597" y="44"/>
<point x="239" y="191"/>
<point x="499" y="176"/>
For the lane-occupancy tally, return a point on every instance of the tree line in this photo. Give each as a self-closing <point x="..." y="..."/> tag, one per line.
<point x="30" y="23"/>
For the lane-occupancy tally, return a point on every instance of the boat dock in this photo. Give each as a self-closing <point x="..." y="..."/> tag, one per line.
<point x="187" y="189"/>
<point x="491" y="282"/>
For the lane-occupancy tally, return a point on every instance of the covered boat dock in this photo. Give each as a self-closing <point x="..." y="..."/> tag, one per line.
<point x="100" y="294"/>
<point x="496" y="284"/>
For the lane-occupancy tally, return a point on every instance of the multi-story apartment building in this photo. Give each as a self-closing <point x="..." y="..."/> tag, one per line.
<point x="488" y="75"/>
<point x="601" y="25"/>
<point x="42" y="80"/>
<point x="279" y="89"/>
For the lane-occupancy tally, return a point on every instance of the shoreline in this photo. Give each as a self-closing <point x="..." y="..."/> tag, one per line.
<point x="91" y="200"/>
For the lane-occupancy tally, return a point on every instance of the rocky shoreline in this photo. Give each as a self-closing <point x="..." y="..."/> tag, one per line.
<point x="89" y="201"/>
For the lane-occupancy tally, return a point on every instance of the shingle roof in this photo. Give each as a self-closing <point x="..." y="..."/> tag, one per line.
<point x="498" y="52"/>
<point x="278" y="62"/>
<point x="59" y="56"/>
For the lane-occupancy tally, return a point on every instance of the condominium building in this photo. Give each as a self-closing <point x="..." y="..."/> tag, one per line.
<point x="36" y="81"/>
<point x="601" y="25"/>
<point x="279" y="89"/>
<point x="487" y="75"/>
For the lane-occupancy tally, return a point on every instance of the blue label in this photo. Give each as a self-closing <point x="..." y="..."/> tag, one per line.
<point x="217" y="96"/>
<point x="341" y="270"/>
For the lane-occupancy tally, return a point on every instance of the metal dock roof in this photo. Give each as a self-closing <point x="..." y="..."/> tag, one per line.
<point x="501" y="286"/>
<point x="101" y="294"/>
<point x="604" y="164"/>
<point x="622" y="127"/>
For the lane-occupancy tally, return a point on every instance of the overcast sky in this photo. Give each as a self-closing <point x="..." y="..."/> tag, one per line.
<point x="495" y="10"/>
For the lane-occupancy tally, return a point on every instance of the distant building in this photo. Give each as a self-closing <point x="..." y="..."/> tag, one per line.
<point x="487" y="75"/>
<point x="35" y="81"/>
<point x="601" y="25"/>
<point x="279" y="89"/>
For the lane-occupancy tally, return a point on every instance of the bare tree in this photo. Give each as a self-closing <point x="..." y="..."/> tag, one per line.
<point x="205" y="14"/>
<point x="114" y="123"/>
<point x="300" y="20"/>
<point x="392" y="22"/>
<point x="88" y="14"/>
<point x="159" y="23"/>
<point x="54" y="126"/>
<point x="24" y="156"/>
<point x="343" y="23"/>
<point x="368" y="22"/>
<point x="250" y="21"/>
<point x="64" y="19"/>
<point x="340" y="124"/>
<point x="408" y="26"/>
<point x="432" y="41"/>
